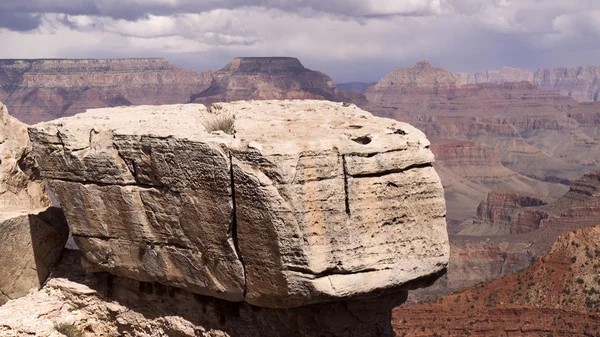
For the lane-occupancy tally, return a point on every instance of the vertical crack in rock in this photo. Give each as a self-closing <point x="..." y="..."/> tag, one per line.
<point x="232" y="232"/>
<point x="347" y="201"/>
<point x="130" y="164"/>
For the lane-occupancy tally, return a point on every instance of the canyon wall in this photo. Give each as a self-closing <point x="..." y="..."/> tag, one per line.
<point x="507" y="136"/>
<point x="579" y="83"/>
<point x="41" y="90"/>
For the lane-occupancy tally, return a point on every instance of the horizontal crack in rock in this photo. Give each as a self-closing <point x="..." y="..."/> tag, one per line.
<point x="331" y="271"/>
<point x="388" y="172"/>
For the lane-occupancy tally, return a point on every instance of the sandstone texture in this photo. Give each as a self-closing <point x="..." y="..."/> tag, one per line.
<point x="32" y="234"/>
<point x="307" y="201"/>
<point x="263" y="78"/>
<point x="45" y="89"/>
<point x="556" y="296"/>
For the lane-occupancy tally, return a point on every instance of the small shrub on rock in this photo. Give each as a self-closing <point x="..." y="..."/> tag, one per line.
<point x="68" y="329"/>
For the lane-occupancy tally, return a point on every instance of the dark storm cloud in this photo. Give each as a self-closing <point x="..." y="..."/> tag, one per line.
<point x="135" y="9"/>
<point x="19" y="21"/>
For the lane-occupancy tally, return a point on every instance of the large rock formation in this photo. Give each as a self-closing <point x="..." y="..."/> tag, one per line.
<point x="557" y="296"/>
<point x="32" y="234"/>
<point x="252" y="78"/>
<point x="579" y="83"/>
<point x="305" y="202"/>
<point x="41" y="90"/>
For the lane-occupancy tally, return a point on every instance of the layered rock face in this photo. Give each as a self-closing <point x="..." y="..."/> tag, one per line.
<point x="32" y="233"/>
<point x="558" y="295"/>
<point x="579" y="83"/>
<point x="498" y="211"/>
<point x="510" y="213"/>
<point x="542" y="140"/>
<point x="308" y="201"/>
<point x="469" y="169"/>
<point x="41" y="90"/>
<point x="253" y="78"/>
<point x="504" y="75"/>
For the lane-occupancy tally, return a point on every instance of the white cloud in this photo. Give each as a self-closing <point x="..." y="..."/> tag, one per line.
<point x="349" y="39"/>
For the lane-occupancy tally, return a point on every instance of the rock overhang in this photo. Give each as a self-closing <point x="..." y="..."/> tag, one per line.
<point x="308" y="201"/>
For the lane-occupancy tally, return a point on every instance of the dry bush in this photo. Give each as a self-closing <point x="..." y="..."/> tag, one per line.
<point x="222" y="122"/>
<point x="68" y="329"/>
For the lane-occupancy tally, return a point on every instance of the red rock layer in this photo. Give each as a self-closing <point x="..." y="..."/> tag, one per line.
<point x="559" y="295"/>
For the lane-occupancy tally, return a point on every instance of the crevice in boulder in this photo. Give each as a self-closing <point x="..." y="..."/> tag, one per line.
<point x="373" y="154"/>
<point x="388" y="172"/>
<point x="331" y="271"/>
<point x="99" y="237"/>
<point x="97" y="183"/>
<point x="142" y="242"/>
<point x="232" y="232"/>
<point x="129" y="163"/>
<point x="346" y="198"/>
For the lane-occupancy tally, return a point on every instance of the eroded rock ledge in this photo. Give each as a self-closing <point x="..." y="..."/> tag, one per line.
<point x="307" y="202"/>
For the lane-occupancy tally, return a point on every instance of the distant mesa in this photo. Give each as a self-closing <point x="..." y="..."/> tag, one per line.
<point x="260" y="78"/>
<point x="256" y="65"/>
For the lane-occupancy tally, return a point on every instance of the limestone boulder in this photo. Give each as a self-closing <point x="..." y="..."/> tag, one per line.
<point x="304" y="202"/>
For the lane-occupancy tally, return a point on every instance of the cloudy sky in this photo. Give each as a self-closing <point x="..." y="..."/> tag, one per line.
<point x="351" y="40"/>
